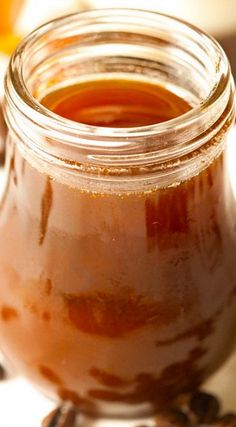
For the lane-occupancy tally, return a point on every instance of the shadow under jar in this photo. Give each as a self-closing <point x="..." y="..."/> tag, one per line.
<point x="117" y="255"/>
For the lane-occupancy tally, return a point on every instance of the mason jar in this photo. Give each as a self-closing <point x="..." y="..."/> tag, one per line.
<point x="117" y="255"/>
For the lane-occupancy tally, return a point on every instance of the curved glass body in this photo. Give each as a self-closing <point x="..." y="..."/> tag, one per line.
<point x="117" y="262"/>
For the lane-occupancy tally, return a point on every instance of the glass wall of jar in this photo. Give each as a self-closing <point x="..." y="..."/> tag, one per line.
<point x="117" y="261"/>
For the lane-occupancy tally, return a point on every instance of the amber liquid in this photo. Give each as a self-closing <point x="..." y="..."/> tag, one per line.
<point x="116" y="103"/>
<point x="111" y="299"/>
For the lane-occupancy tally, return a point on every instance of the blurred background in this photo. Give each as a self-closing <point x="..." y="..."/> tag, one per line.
<point x="18" y="17"/>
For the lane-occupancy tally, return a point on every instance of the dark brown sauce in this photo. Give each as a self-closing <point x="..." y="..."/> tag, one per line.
<point x="46" y="205"/>
<point x="107" y="379"/>
<point x="117" y="315"/>
<point x="161" y="391"/>
<point x="49" y="374"/>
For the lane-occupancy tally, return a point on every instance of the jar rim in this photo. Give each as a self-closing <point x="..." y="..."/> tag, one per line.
<point x="117" y="140"/>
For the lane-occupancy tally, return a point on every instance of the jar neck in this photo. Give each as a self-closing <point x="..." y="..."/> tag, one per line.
<point x="120" y="44"/>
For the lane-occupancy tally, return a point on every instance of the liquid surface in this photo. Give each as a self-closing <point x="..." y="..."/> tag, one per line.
<point x="110" y="299"/>
<point x="116" y="103"/>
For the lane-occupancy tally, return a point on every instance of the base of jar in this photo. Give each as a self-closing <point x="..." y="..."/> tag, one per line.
<point x="86" y="421"/>
<point x="193" y="410"/>
<point x="119" y="411"/>
<point x="144" y="417"/>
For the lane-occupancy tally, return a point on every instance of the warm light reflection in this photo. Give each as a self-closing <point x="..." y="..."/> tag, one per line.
<point x="231" y="161"/>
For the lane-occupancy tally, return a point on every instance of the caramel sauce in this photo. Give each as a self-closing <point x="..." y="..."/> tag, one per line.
<point x="46" y="205"/>
<point x="46" y="316"/>
<point x="8" y="313"/>
<point x="116" y="103"/>
<point x="49" y="374"/>
<point x="139" y="288"/>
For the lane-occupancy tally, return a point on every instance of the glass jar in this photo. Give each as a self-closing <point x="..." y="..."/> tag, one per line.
<point x="117" y="262"/>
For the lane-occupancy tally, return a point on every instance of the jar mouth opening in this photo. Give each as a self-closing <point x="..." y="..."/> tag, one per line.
<point x="202" y="115"/>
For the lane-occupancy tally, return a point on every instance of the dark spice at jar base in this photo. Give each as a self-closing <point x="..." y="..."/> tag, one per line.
<point x="226" y="420"/>
<point x="204" y="407"/>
